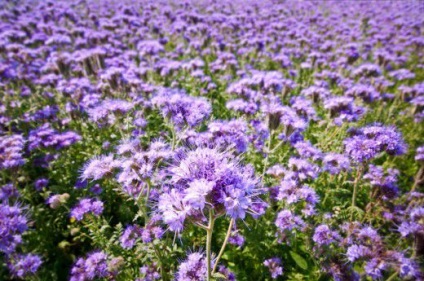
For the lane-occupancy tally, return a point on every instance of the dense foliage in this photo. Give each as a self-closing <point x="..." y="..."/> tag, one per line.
<point x="211" y="140"/>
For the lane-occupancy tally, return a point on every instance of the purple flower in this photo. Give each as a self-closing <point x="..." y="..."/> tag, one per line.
<point x="94" y="266"/>
<point x="25" y="265"/>
<point x="367" y="69"/>
<point x="193" y="268"/>
<point x="356" y="252"/>
<point x="372" y="140"/>
<point x="303" y="169"/>
<point x="385" y="183"/>
<point x="45" y="136"/>
<point x="402" y="74"/>
<point x="85" y="206"/>
<point x="286" y="220"/>
<point x="335" y="163"/>
<point x="99" y="167"/>
<point x="374" y="268"/>
<point x="182" y="109"/>
<point x="8" y="191"/>
<point x="56" y="200"/>
<point x="208" y="178"/>
<point x="173" y="210"/>
<point x="11" y="151"/>
<point x="343" y="109"/>
<point x="130" y="236"/>
<point x="365" y="92"/>
<point x="360" y="148"/>
<point x="409" y="269"/>
<point x="316" y="93"/>
<point x="413" y="222"/>
<point x="229" y="133"/>
<point x="41" y="183"/>
<point x="407" y="228"/>
<point x="387" y="139"/>
<point x="419" y="156"/>
<point x="324" y="235"/>
<point x="274" y="267"/>
<point x="12" y="224"/>
<point x="236" y="239"/>
<point x="240" y="105"/>
<point x="106" y="111"/>
<point x="149" y="47"/>
<point x="369" y="235"/>
<point x="306" y="150"/>
<point x="150" y="273"/>
<point x="196" y="193"/>
<point x="304" y="108"/>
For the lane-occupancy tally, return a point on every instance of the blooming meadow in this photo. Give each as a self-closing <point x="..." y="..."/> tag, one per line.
<point x="211" y="140"/>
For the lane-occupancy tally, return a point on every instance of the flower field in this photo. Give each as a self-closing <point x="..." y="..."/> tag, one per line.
<point x="211" y="140"/>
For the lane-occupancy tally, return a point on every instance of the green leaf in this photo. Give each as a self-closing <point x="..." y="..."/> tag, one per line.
<point x="218" y="275"/>
<point x="300" y="261"/>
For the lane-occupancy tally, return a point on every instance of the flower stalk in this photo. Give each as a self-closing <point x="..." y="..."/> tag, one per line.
<point x="209" y="232"/>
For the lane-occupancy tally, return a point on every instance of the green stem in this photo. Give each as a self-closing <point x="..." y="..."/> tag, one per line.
<point x="392" y="277"/>
<point x="355" y="190"/>
<point x="146" y="217"/>
<point x="221" y="252"/>
<point x="418" y="178"/>
<point x="268" y="151"/>
<point x="209" y="244"/>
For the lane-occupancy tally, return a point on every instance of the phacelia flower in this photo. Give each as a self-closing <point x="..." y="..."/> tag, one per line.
<point x="274" y="267"/>
<point x="193" y="268"/>
<point x="208" y="178"/>
<point x="324" y="235"/>
<point x="85" y="206"/>
<point x="25" y="265"/>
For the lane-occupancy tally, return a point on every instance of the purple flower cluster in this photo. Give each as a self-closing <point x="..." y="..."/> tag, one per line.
<point x="24" y="265"/>
<point x="207" y="178"/>
<point x="105" y="112"/>
<point x="8" y="191"/>
<point x="133" y="233"/>
<point x="274" y="267"/>
<point x="413" y="222"/>
<point x="87" y="206"/>
<point x="131" y="165"/>
<point x="99" y="167"/>
<point x="193" y="268"/>
<point x="11" y="151"/>
<point x="181" y="108"/>
<point x="162" y="100"/>
<point x="324" y="235"/>
<point x="366" y="143"/>
<point x="96" y="265"/>
<point x="13" y="222"/>
<point x="419" y="156"/>
<point x="149" y="273"/>
<point x="287" y="221"/>
<point x="384" y="182"/>
<point x="335" y="163"/>
<point x="45" y="137"/>
<point x="366" y="245"/>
